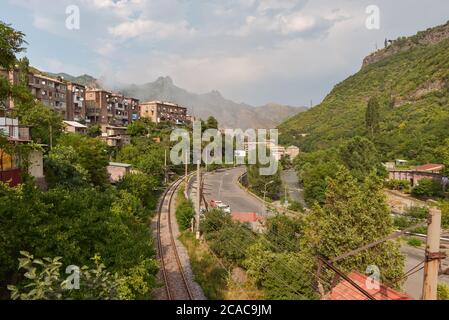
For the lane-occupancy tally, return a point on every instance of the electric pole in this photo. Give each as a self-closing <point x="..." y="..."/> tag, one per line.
<point x="433" y="255"/>
<point x="198" y="198"/>
<point x="186" y="173"/>
<point x="165" y="166"/>
<point x="50" y="129"/>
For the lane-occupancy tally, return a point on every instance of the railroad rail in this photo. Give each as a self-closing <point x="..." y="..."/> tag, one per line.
<point x="176" y="283"/>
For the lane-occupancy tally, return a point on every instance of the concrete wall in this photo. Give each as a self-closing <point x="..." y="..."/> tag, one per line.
<point x="413" y="176"/>
<point x="36" y="164"/>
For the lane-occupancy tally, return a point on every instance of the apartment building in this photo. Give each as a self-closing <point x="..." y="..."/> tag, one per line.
<point x="50" y="91"/>
<point x="98" y="106"/>
<point x="133" y="109"/>
<point x="107" y="108"/>
<point x="120" y="107"/>
<point x="158" y="111"/>
<point x="76" y="102"/>
<point x="115" y="136"/>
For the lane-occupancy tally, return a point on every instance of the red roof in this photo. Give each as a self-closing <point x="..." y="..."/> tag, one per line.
<point x="246" y="217"/>
<point x="345" y="291"/>
<point x="430" y="167"/>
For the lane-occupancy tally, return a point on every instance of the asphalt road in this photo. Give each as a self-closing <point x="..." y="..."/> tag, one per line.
<point x="223" y="185"/>
<point x="290" y="180"/>
<point x="413" y="285"/>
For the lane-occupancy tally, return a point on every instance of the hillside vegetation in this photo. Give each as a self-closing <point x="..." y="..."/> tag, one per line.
<point x="412" y="88"/>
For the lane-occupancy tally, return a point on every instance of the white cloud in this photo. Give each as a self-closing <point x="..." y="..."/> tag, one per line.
<point x="159" y="30"/>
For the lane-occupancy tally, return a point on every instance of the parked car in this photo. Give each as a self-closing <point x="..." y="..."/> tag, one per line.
<point x="217" y="204"/>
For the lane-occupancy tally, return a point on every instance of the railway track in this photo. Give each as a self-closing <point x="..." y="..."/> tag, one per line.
<point x="175" y="280"/>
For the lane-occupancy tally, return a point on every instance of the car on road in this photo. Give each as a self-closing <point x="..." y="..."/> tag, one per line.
<point x="216" y="204"/>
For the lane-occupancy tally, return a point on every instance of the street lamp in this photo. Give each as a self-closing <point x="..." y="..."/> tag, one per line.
<point x="264" y="195"/>
<point x="265" y="189"/>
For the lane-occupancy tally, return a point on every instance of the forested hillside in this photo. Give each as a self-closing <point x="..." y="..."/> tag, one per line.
<point x="409" y="79"/>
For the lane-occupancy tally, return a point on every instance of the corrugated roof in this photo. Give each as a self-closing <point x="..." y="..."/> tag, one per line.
<point x="75" y="124"/>
<point x="430" y="167"/>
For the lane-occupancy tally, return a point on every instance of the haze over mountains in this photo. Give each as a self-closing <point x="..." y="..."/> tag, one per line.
<point x="228" y="113"/>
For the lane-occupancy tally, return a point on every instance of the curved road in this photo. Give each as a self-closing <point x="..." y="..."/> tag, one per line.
<point x="223" y="185"/>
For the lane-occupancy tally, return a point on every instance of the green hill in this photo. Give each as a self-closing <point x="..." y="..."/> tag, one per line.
<point x="411" y="80"/>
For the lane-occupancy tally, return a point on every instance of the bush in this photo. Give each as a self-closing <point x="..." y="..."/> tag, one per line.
<point x="443" y="291"/>
<point x="428" y="188"/>
<point x="185" y="212"/>
<point x="401" y="185"/>
<point x="296" y="206"/>
<point x="414" y="242"/>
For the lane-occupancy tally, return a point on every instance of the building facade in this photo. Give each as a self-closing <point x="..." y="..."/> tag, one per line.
<point x="76" y="99"/>
<point x="50" y="91"/>
<point x="158" y="111"/>
<point x="133" y="109"/>
<point x="98" y="106"/>
<point x="10" y="165"/>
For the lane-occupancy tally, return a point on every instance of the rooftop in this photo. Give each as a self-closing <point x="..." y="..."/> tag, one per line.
<point x="117" y="164"/>
<point x="430" y="167"/>
<point x="75" y="124"/>
<point x="345" y="291"/>
<point x="246" y="217"/>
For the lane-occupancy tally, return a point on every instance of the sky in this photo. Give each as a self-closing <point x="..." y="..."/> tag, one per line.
<point x="254" y="51"/>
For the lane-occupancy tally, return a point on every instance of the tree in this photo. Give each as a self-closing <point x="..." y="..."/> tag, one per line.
<point x="442" y="154"/>
<point x="11" y="43"/>
<point x="211" y="123"/>
<point x="272" y="184"/>
<point x="354" y="215"/>
<point x="360" y="156"/>
<point x="78" y="159"/>
<point x="372" y="117"/>
<point x="94" y="131"/>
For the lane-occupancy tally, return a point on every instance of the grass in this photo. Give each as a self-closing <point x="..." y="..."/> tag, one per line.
<point x="214" y="277"/>
<point x="414" y="242"/>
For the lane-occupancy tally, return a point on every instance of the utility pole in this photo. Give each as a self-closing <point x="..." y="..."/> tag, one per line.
<point x="50" y="129"/>
<point x="433" y="255"/>
<point x="198" y="198"/>
<point x="165" y="166"/>
<point x="186" y="173"/>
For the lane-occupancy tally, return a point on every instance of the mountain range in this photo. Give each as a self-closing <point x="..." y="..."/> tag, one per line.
<point x="228" y="113"/>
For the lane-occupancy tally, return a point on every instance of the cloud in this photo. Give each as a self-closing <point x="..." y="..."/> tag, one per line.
<point x="159" y="30"/>
<point x="250" y="50"/>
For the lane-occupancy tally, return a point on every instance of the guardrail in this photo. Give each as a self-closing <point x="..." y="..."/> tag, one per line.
<point x="266" y="203"/>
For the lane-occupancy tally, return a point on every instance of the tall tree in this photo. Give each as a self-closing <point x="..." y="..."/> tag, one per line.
<point x="11" y="43"/>
<point x="211" y="123"/>
<point x="372" y="116"/>
<point x="360" y="156"/>
<point x="355" y="215"/>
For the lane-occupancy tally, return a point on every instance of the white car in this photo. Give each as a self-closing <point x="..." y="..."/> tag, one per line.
<point x="224" y="207"/>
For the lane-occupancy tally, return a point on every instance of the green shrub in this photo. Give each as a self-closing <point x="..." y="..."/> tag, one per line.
<point x="414" y="242"/>
<point x="428" y="188"/>
<point x="296" y="206"/>
<point x="401" y="185"/>
<point x="185" y="212"/>
<point x="443" y="291"/>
